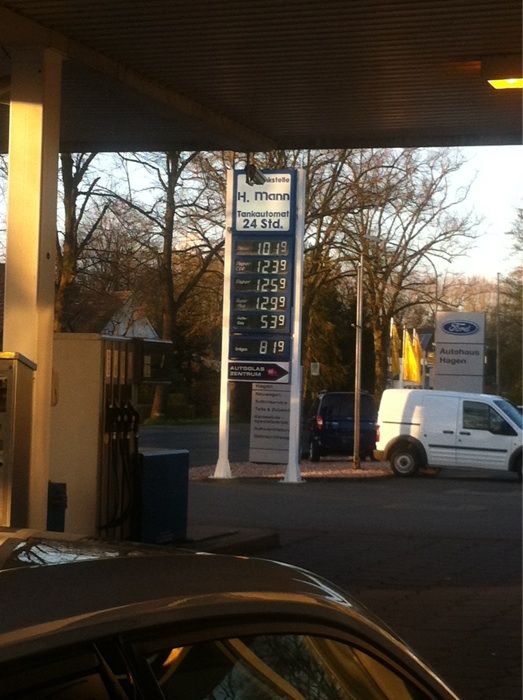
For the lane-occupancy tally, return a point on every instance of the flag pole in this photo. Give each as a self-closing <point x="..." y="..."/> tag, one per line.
<point x="402" y="358"/>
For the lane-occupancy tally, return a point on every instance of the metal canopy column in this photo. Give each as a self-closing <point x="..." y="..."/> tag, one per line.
<point x="31" y="233"/>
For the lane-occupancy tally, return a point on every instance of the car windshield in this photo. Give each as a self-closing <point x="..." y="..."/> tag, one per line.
<point x="341" y="405"/>
<point x="276" y="666"/>
<point x="511" y="411"/>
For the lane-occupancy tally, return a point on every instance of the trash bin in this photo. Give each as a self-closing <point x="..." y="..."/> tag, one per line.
<point x="163" y="495"/>
<point x="56" y="506"/>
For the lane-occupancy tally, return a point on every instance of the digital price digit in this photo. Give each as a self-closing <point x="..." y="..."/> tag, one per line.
<point x="272" y="248"/>
<point x="271" y="284"/>
<point x="271" y="303"/>
<point x="272" y="347"/>
<point x="261" y="246"/>
<point x="257" y="302"/>
<point x="246" y="347"/>
<point x="272" y="266"/>
<point x="272" y="321"/>
<point x="260" y="284"/>
<point x="264" y="266"/>
<point x="254" y="321"/>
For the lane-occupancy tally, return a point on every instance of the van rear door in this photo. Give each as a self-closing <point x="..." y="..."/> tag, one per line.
<point x="439" y="428"/>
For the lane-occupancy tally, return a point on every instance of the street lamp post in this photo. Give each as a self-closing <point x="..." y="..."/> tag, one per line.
<point x="356" y="463"/>
<point x="498" y="365"/>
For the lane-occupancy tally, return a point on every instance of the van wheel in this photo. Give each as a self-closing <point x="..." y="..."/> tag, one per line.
<point x="314" y="451"/>
<point x="518" y="470"/>
<point x="404" y="460"/>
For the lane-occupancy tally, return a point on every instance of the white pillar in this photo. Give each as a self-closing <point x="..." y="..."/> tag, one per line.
<point x="31" y="231"/>
<point x="292" y="471"/>
<point x="356" y="460"/>
<point x="223" y="467"/>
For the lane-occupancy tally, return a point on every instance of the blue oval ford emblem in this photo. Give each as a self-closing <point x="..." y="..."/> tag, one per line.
<point x="461" y="327"/>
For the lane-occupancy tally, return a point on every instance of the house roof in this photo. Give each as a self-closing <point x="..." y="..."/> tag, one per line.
<point x="111" y="313"/>
<point x="161" y="75"/>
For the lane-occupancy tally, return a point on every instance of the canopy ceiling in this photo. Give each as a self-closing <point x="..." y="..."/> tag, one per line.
<point x="254" y="75"/>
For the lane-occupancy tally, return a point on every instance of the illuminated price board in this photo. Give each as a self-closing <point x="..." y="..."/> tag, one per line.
<point x="260" y="302"/>
<point x="262" y="266"/>
<point x="261" y="284"/>
<point x="263" y="245"/>
<point x="269" y="322"/>
<point x="259" y="348"/>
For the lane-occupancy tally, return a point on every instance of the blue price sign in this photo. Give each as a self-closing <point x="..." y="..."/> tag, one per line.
<point x="262" y="269"/>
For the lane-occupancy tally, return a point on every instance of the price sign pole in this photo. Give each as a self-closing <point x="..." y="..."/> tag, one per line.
<point x="292" y="473"/>
<point x="223" y="467"/>
<point x="263" y="295"/>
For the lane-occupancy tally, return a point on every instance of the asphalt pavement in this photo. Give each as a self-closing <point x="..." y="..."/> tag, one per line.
<point x="200" y="440"/>
<point x="438" y="558"/>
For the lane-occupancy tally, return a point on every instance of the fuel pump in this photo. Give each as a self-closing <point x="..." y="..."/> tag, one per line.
<point x="16" y="391"/>
<point x="120" y="468"/>
<point x="95" y="428"/>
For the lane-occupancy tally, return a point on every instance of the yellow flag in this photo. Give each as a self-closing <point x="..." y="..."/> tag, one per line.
<point x="411" y="368"/>
<point x="394" y="349"/>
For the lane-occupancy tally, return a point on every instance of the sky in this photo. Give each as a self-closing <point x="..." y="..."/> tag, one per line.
<point x="496" y="174"/>
<point x="496" y="193"/>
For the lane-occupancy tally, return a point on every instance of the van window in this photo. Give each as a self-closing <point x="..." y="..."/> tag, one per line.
<point x="511" y="411"/>
<point x="480" y="416"/>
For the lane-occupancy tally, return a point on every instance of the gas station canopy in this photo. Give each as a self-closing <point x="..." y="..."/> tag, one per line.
<point x="252" y="76"/>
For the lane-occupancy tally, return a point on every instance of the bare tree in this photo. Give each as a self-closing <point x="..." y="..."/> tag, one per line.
<point x="517" y="232"/>
<point x="83" y="213"/>
<point x="405" y="222"/>
<point x="393" y="209"/>
<point x="511" y="320"/>
<point x="180" y="220"/>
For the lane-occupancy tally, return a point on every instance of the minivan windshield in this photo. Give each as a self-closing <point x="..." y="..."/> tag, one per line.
<point x="511" y="411"/>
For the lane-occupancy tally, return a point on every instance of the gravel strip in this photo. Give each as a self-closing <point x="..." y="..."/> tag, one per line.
<point x="309" y="470"/>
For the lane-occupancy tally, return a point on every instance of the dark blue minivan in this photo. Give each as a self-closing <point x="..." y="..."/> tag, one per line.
<point x="330" y="427"/>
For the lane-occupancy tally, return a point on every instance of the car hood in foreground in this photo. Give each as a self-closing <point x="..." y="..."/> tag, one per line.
<point x="54" y="594"/>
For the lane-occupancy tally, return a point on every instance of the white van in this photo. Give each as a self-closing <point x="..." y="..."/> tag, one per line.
<point x="424" y="428"/>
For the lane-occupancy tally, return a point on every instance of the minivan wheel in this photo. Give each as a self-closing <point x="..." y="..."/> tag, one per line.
<point x="404" y="461"/>
<point x="314" y="451"/>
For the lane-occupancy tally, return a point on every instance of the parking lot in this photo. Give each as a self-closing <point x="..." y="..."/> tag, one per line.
<point x="437" y="557"/>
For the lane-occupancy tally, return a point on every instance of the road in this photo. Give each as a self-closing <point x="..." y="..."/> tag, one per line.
<point x="200" y="440"/>
<point x="438" y="558"/>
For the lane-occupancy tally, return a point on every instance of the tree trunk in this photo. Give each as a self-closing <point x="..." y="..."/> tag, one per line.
<point x="67" y="259"/>
<point x="161" y="392"/>
<point x="381" y="359"/>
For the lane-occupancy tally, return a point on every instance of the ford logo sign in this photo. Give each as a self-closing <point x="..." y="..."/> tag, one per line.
<point x="460" y="327"/>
